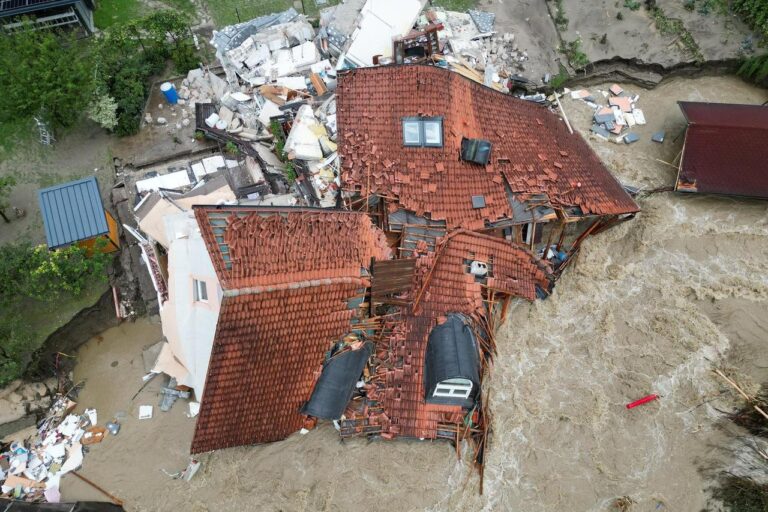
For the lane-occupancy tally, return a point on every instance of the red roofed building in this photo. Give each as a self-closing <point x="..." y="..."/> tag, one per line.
<point x="289" y="278"/>
<point x="724" y="150"/>
<point x="401" y="130"/>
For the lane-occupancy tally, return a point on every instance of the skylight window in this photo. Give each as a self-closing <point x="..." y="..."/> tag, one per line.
<point x="433" y="132"/>
<point x="423" y="131"/>
<point x="412" y="132"/>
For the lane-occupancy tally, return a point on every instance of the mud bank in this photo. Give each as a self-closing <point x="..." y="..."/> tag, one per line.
<point x="648" y="307"/>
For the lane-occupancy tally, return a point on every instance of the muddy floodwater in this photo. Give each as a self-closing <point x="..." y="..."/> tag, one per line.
<point x="648" y="307"/>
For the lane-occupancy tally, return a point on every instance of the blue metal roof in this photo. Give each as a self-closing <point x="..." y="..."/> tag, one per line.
<point x="72" y="211"/>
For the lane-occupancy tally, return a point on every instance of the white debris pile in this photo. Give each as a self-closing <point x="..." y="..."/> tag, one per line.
<point x="616" y="115"/>
<point x="471" y="46"/>
<point x="31" y="469"/>
<point x="264" y="49"/>
<point x="310" y="142"/>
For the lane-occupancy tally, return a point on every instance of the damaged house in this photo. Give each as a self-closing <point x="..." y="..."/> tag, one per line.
<point x="426" y="151"/>
<point x="381" y="316"/>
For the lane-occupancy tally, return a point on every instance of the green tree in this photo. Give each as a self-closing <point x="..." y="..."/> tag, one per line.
<point x="130" y="54"/>
<point x="5" y="191"/>
<point x="45" y="71"/>
<point x="37" y="273"/>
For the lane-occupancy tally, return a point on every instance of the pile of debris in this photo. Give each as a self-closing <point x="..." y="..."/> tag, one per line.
<point x="276" y="102"/>
<point x="615" y="120"/>
<point x="31" y="469"/>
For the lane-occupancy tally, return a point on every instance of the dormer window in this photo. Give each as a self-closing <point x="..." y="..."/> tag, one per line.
<point x="423" y="132"/>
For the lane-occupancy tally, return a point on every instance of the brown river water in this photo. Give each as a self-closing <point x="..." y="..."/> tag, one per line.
<point x="648" y="307"/>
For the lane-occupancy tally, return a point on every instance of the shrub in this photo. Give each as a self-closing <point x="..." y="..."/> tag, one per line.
<point x="632" y="5"/>
<point x="290" y="173"/>
<point x="560" y="20"/>
<point x="755" y="68"/>
<point x="37" y="273"/>
<point x="572" y="50"/>
<point x="755" y="14"/>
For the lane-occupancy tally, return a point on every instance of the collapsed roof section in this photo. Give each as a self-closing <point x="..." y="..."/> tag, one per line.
<point x="724" y="150"/>
<point x="443" y="285"/>
<point x="337" y="382"/>
<point x="533" y="154"/>
<point x="293" y="279"/>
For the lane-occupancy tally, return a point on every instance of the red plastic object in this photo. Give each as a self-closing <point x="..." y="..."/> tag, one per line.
<point x="642" y="401"/>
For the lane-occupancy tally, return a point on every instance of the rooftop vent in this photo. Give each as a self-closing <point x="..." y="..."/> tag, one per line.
<point x="476" y="150"/>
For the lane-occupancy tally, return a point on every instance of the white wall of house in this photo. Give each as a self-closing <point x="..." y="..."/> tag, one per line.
<point x="188" y="324"/>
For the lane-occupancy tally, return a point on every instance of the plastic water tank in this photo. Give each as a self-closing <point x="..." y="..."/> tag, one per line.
<point x="169" y="91"/>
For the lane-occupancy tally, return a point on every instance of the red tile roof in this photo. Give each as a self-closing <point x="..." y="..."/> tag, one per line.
<point x="725" y="150"/>
<point x="287" y="283"/>
<point x="448" y="288"/>
<point x="532" y="149"/>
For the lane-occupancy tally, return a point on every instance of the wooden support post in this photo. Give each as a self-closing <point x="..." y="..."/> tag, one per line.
<point x="115" y="500"/>
<point x="560" y="240"/>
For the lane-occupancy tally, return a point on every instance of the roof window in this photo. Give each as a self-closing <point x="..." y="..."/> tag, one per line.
<point x="423" y="132"/>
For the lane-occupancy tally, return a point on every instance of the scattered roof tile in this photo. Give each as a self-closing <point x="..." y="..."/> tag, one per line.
<point x="372" y="102"/>
<point x="445" y="286"/>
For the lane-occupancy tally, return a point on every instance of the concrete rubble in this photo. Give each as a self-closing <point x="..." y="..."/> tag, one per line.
<point x="275" y="102"/>
<point x="616" y="112"/>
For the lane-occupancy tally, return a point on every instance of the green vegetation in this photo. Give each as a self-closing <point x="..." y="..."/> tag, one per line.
<point x="755" y="68"/>
<point x="572" y="50"/>
<point x="560" y="78"/>
<point x="45" y="72"/>
<point x="109" y="12"/>
<point x="755" y="14"/>
<point x="560" y="20"/>
<point x="225" y="12"/>
<point x="673" y="26"/>
<point x="277" y="131"/>
<point x="113" y="12"/>
<point x="132" y="53"/>
<point x="455" y="5"/>
<point x="290" y="173"/>
<point x="31" y="278"/>
<point x="632" y="5"/>
<point x="231" y="148"/>
<point x="60" y="76"/>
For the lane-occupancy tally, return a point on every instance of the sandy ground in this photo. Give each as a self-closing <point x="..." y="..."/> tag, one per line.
<point x="159" y="141"/>
<point x="634" y="37"/>
<point x="649" y="307"/>
<point x="534" y="32"/>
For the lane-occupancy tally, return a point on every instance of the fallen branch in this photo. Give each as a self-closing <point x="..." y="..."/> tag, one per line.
<point x="748" y="398"/>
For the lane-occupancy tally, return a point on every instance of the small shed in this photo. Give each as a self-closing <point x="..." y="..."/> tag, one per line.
<point x="73" y="213"/>
<point x="452" y="364"/>
<point x="724" y="150"/>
